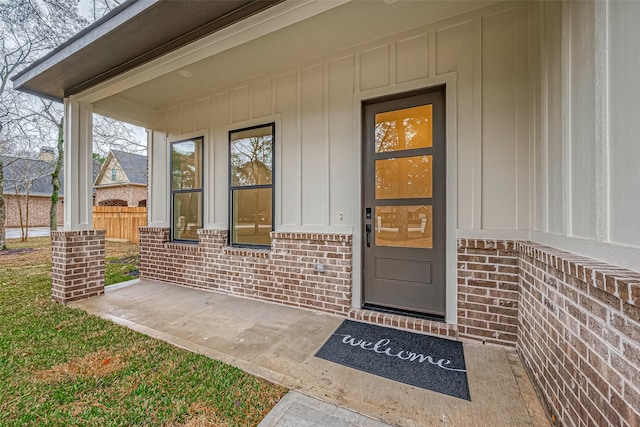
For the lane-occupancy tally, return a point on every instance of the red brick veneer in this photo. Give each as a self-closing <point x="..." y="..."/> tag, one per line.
<point x="284" y="274"/>
<point x="131" y="193"/>
<point x="39" y="210"/>
<point x="579" y="336"/>
<point x="398" y="321"/>
<point x="77" y="265"/>
<point x="488" y="290"/>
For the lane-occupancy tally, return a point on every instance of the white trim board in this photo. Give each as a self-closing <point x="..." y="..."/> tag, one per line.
<point x="611" y="253"/>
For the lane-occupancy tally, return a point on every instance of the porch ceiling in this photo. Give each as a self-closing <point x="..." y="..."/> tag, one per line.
<point x="348" y="25"/>
<point x="132" y="34"/>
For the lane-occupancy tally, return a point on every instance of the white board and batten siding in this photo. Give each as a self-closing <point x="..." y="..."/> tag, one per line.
<point x="586" y="151"/>
<point x="318" y="162"/>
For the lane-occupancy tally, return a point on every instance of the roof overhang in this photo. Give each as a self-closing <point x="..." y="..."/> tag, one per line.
<point x="128" y="37"/>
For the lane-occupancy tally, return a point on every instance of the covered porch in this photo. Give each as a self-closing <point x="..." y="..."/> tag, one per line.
<point x="278" y="343"/>
<point x="536" y="191"/>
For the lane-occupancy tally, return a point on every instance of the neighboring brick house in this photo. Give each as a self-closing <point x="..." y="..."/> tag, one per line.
<point x="30" y="179"/>
<point x="28" y="182"/>
<point x="467" y="169"/>
<point x="122" y="180"/>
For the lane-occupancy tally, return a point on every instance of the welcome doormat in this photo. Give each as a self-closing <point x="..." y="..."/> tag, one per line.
<point x="420" y="360"/>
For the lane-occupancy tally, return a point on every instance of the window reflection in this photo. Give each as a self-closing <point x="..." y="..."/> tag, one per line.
<point x="252" y="216"/>
<point x="186" y="188"/>
<point x="404" y="178"/>
<point x="186" y="160"/>
<point x="187" y="215"/>
<point x="251" y="185"/>
<point x="251" y="157"/>
<point x="404" y="129"/>
<point x="404" y="226"/>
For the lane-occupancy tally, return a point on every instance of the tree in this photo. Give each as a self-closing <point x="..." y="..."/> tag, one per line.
<point x="113" y="134"/>
<point x="102" y="7"/>
<point x="25" y="175"/>
<point x="3" y="240"/>
<point x="57" y="166"/>
<point x="30" y="28"/>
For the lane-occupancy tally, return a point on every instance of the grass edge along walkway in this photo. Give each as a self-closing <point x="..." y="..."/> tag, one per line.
<point x="61" y="366"/>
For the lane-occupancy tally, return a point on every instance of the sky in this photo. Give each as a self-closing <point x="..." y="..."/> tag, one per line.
<point x="84" y="8"/>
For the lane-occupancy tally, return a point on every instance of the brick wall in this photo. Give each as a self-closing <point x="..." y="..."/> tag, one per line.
<point x="284" y="274"/>
<point x="574" y="321"/>
<point x="405" y="322"/>
<point x="488" y="290"/>
<point x="39" y="207"/>
<point x="132" y="194"/>
<point x="77" y="265"/>
<point x="488" y="294"/>
<point x="579" y="336"/>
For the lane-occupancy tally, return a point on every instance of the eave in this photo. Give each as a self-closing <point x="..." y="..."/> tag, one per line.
<point x="128" y="37"/>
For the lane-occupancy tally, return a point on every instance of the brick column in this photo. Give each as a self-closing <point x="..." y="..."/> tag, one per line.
<point x="488" y="290"/>
<point x="152" y="240"/>
<point x="77" y="265"/>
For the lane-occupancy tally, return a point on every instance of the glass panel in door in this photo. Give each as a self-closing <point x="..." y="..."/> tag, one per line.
<point x="404" y="129"/>
<point x="404" y="226"/>
<point x="404" y="178"/>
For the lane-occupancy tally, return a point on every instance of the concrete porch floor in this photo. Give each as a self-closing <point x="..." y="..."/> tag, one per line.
<point x="278" y="343"/>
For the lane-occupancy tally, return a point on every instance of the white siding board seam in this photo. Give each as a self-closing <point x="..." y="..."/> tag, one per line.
<point x="299" y="141"/>
<point x="392" y="62"/>
<point x="277" y="186"/>
<point x="476" y="219"/>
<point x="566" y="117"/>
<point x="432" y="53"/>
<point x="356" y="73"/>
<point x="212" y="162"/>
<point x="251" y="100"/>
<point x="537" y="37"/>
<point x="325" y="129"/>
<point x="274" y="94"/>
<point x="602" y="123"/>
<point x="544" y="132"/>
<point x="523" y="142"/>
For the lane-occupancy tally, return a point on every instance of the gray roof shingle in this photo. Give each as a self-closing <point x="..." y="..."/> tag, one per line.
<point x="134" y="165"/>
<point x="33" y="174"/>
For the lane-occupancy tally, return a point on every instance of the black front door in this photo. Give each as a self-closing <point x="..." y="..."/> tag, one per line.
<point x="404" y="203"/>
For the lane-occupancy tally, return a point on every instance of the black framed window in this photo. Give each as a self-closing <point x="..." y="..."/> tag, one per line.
<point x="251" y="167"/>
<point x="186" y="189"/>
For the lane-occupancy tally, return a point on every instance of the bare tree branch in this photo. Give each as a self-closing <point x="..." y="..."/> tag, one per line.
<point x="30" y="29"/>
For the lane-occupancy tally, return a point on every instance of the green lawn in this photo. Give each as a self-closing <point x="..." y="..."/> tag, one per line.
<point x="61" y="366"/>
<point x="120" y="269"/>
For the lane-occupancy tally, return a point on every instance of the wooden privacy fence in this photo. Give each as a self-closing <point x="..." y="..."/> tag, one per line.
<point x="121" y="222"/>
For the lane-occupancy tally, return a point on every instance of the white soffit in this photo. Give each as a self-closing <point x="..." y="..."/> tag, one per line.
<point x="273" y="19"/>
<point x="286" y="34"/>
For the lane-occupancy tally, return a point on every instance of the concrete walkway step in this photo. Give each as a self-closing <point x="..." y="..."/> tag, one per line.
<point x="298" y="410"/>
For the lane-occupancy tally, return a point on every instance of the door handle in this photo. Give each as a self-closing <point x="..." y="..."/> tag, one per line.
<point x="367" y="228"/>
